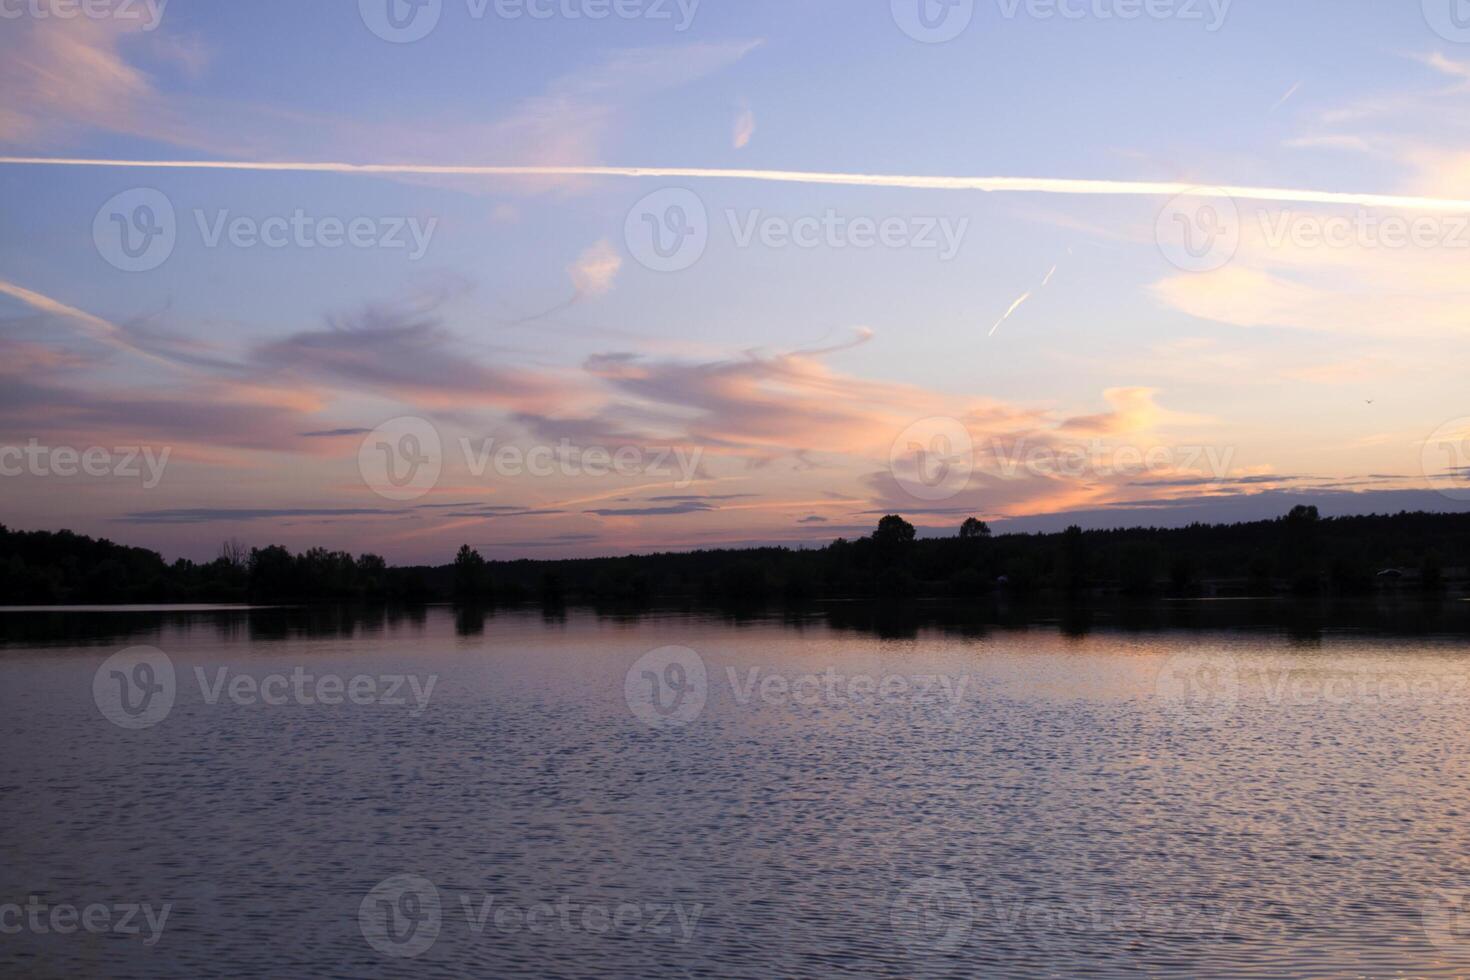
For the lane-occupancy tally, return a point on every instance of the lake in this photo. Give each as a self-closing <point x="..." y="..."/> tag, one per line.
<point x="1197" y="791"/>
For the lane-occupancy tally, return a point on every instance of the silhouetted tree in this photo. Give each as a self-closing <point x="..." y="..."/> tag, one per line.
<point x="1138" y="568"/>
<point x="273" y="574"/>
<point x="1071" y="568"/>
<point x="1431" y="572"/>
<point x="234" y="553"/>
<point x="372" y="576"/>
<point x="973" y="529"/>
<point x="893" y="538"/>
<point x="471" y="576"/>
<point x="1301" y="550"/>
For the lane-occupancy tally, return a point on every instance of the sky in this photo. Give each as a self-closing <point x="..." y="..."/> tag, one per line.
<point x="582" y="277"/>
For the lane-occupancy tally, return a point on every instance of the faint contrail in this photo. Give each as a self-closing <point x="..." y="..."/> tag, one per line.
<point x="1014" y="307"/>
<point x="1021" y="300"/>
<point x="96" y="327"/>
<point x="1037" y="185"/>
<point x="1285" y="98"/>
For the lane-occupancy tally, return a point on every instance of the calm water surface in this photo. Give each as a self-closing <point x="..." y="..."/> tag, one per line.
<point x="500" y="795"/>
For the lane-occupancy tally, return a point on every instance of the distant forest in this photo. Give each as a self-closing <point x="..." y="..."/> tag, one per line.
<point x="1299" y="554"/>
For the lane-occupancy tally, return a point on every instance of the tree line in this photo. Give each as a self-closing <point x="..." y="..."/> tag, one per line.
<point x="1299" y="554"/>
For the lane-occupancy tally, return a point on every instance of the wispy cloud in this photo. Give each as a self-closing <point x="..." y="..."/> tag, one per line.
<point x="66" y="77"/>
<point x="595" y="270"/>
<point x="668" y="510"/>
<point x="744" y="127"/>
<point x="218" y="515"/>
<point x="62" y="76"/>
<point x="403" y="350"/>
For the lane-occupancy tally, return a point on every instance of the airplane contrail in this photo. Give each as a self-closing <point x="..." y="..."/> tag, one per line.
<point x="1037" y="185"/>
<point x="1285" y="98"/>
<point x="94" y="326"/>
<point x="1020" y="300"/>
<point x="1014" y="307"/>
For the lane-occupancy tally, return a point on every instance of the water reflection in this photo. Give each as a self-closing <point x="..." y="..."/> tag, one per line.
<point x="1304" y="623"/>
<point x="1223" y="789"/>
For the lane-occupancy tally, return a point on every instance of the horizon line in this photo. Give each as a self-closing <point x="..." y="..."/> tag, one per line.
<point x="1038" y="185"/>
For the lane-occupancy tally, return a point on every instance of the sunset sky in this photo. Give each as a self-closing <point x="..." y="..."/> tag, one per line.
<point x="843" y="347"/>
